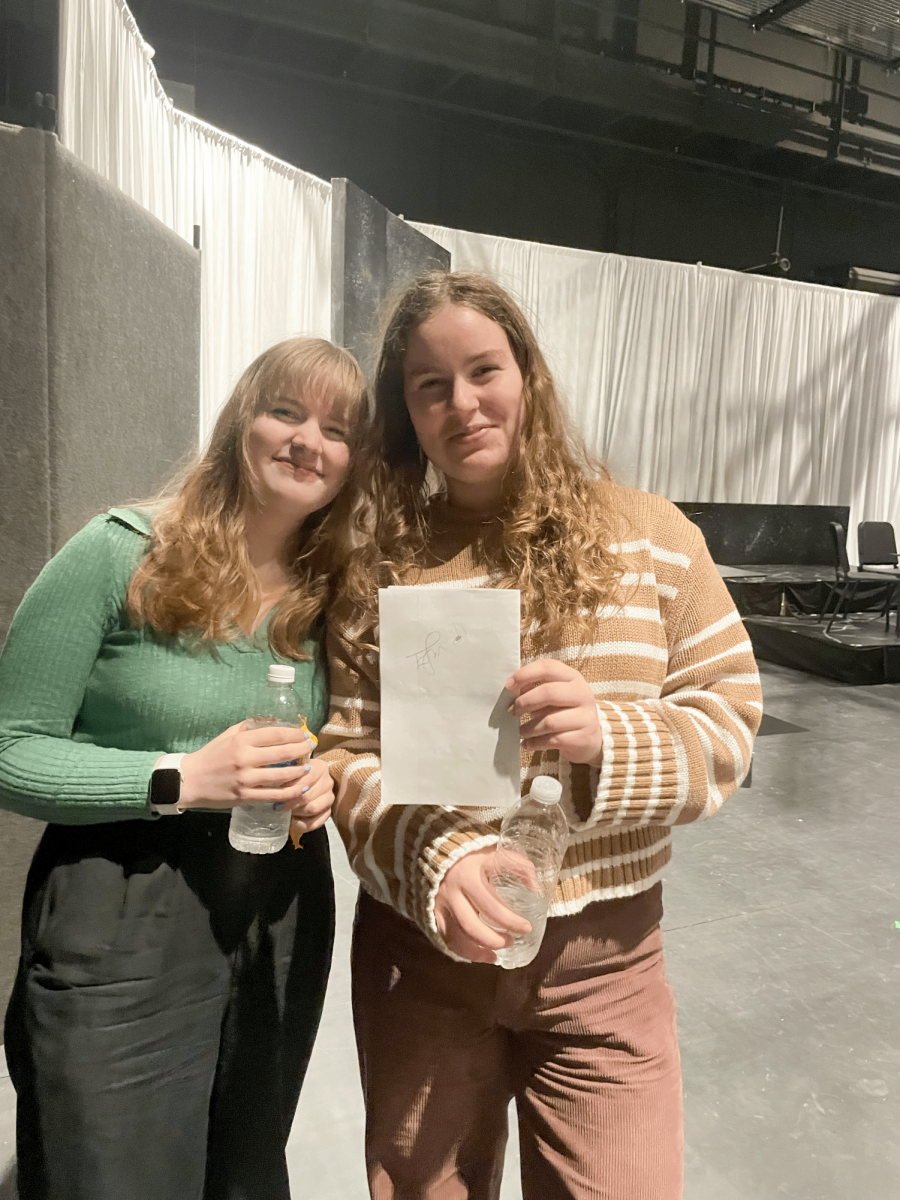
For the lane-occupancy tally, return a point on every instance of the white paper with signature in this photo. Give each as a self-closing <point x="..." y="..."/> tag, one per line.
<point x="446" y="735"/>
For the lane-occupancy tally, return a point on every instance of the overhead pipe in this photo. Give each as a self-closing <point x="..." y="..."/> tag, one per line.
<point x="775" y="13"/>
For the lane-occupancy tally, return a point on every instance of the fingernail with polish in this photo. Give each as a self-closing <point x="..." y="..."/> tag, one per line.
<point x="302" y="790"/>
<point x="307" y="768"/>
<point x="278" y="806"/>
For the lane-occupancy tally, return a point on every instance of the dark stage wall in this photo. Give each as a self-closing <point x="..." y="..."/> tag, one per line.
<point x="100" y="346"/>
<point x="471" y="173"/>
<point x="373" y="256"/>
<point x="751" y="534"/>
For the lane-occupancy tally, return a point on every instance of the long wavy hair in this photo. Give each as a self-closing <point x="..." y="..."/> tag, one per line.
<point x="557" y="516"/>
<point x="196" y="578"/>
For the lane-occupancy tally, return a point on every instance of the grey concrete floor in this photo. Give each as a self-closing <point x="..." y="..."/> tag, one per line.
<point x="784" y="955"/>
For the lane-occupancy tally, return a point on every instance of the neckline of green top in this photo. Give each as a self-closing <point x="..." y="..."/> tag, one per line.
<point x="138" y="519"/>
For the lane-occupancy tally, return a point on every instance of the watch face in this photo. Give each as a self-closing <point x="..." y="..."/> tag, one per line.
<point x="165" y="786"/>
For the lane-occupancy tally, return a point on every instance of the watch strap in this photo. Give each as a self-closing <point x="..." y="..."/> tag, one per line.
<point x="165" y="786"/>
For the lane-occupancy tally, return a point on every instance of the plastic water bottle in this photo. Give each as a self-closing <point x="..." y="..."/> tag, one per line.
<point x="533" y="831"/>
<point x="260" y="828"/>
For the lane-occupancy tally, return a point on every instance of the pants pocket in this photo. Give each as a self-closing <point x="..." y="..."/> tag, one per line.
<point x="97" y="921"/>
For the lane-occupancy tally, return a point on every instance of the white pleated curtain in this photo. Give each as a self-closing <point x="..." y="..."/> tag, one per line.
<point x="265" y="226"/>
<point x="703" y="384"/>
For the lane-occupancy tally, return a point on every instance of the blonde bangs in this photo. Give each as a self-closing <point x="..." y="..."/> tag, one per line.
<point x="314" y="368"/>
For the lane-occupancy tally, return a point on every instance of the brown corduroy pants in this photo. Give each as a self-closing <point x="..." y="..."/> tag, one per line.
<point x="583" y="1038"/>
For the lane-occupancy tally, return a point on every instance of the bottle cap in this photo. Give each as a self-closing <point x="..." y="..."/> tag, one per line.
<point x="281" y="674"/>
<point x="546" y="789"/>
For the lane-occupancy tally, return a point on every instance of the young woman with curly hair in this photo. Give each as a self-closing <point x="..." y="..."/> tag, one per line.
<point x="638" y="691"/>
<point x="170" y="987"/>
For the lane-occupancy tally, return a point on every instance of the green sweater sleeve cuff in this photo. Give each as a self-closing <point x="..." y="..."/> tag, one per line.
<point x="114" y="789"/>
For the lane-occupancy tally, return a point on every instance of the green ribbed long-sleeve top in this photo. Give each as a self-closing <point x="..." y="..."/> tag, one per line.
<point x="88" y="702"/>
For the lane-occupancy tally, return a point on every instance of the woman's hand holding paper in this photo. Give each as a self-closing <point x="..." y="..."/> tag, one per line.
<point x="560" y="709"/>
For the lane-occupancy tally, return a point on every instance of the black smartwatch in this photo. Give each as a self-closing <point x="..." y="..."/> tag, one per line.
<point x="165" y="786"/>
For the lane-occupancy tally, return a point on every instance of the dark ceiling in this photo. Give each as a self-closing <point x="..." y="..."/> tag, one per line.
<point x="576" y="68"/>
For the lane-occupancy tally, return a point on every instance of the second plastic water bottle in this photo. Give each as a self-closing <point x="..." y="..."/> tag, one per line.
<point x="260" y="828"/>
<point x="533" y="839"/>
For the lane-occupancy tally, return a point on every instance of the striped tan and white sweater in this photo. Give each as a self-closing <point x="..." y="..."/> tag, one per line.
<point x="679" y="700"/>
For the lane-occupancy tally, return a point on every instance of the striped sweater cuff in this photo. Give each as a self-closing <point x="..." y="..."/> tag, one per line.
<point x="447" y="836"/>
<point x="640" y="768"/>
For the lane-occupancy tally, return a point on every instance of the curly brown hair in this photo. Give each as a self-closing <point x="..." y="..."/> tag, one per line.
<point x="196" y="578"/>
<point x="557" y="517"/>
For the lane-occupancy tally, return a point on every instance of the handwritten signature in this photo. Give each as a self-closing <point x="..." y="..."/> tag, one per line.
<point x="435" y="644"/>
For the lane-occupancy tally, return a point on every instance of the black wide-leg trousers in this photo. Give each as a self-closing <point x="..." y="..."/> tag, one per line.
<point x="163" y="1016"/>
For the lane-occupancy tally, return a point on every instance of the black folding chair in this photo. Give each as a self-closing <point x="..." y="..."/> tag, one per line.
<point x="847" y="580"/>
<point x="878" y="551"/>
<point x="877" y="546"/>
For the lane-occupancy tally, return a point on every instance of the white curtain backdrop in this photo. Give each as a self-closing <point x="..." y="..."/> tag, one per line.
<point x="265" y="226"/>
<point x="697" y="383"/>
<point x="703" y="384"/>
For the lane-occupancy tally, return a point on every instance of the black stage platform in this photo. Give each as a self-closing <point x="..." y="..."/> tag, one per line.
<point x="779" y="589"/>
<point x="776" y="560"/>
<point x="857" y="650"/>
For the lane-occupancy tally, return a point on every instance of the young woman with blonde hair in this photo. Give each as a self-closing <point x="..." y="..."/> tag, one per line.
<point x="170" y="987"/>
<point x="638" y="690"/>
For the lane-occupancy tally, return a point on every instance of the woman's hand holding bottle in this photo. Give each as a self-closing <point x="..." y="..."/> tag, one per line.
<point x="236" y="768"/>
<point x="470" y="916"/>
